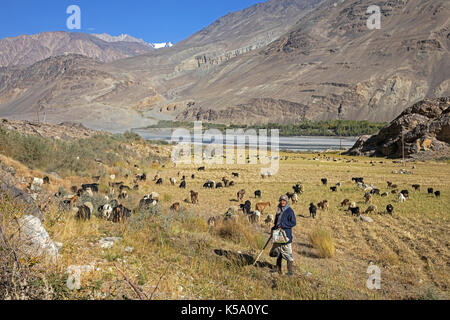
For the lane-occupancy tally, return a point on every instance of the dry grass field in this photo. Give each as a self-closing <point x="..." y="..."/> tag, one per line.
<point x="177" y="256"/>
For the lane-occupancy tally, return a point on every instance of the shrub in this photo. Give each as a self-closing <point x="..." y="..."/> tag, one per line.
<point x="323" y="243"/>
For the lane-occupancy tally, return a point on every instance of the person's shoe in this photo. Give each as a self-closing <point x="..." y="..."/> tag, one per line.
<point x="290" y="267"/>
<point x="278" y="268"/>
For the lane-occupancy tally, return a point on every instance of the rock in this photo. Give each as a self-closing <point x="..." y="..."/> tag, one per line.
<point x="426" y="130"/>
<point x="21" y="198"/>
<point x="129" y="249"/>
<point x="366" y="219"/>
<point x="107" y="243"/>
<point x="35" y="240"/>
<point x="74" y="279"/>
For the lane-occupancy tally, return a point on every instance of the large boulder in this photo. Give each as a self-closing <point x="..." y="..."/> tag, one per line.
<point x="35" y="241"/>
<point x="425" y="128"/>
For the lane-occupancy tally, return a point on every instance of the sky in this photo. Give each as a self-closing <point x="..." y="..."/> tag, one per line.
<point x="151" y="20"/>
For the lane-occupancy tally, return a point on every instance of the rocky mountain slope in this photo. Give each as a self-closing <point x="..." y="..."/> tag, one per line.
<point x="425" y="128"/>
<point x="26" y="50"/>
<point x="330" y="58"/>
<point x="279" y="61"/>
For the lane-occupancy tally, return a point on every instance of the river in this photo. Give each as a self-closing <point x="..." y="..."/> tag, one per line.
<point x="301" y="143"/>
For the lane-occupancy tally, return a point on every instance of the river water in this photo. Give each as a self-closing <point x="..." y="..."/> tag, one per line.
<point x="301" y="143"/>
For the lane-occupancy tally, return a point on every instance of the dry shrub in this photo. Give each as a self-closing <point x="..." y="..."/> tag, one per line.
<point x="323" y="243"/>
<point x="196" y="224"/>
<point x="237" y="231"/>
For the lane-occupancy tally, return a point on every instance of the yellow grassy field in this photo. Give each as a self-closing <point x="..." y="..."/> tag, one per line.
<point x="175" y="251"/>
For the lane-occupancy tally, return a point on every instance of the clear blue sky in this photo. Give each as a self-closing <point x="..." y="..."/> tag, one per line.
<point x="151" y="20"/>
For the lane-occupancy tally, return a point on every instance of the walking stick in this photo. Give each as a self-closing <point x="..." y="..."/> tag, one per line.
<point x="267" y="243"/>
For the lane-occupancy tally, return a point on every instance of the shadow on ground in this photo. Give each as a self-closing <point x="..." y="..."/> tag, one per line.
<point x="242" y="259"/>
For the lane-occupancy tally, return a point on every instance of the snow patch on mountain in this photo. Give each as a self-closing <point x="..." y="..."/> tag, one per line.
<point x="127" y="38"/>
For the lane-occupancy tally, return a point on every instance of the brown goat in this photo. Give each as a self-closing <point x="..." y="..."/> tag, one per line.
<point x="175" y="207"/>
<point x="262" y="206"/>
<point x="240" y="195"/>
<point x="194" y="197"/>
<point x="323" y="205"/>
<point x="345" y="203"/>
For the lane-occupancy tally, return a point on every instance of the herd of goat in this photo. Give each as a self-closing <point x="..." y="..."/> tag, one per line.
<point x="112" y="209"/>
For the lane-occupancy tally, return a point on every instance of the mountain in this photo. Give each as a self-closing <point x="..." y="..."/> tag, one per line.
<point x="26" y="50"/>
<point x="127" y="38"/>
<point x="279" y="61"/>
<point x="331" y="59"/>
<point x="73" y="88"/>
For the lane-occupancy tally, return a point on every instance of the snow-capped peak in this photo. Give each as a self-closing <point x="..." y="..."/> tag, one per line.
<point x="162" y="45"/>
<point x="127" y="38"/>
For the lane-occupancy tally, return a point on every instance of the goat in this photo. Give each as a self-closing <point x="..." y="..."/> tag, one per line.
<point x="123" y="195"/>
<point x="209" y="185"/>
<point x="324" y="181"/>
<point x="262" y="206"/>
<point x="106" y="211"/>
<point x="258" y="194"/>
<point x="194" y="197"/>
<point x="160" y="181"/>
<point x="371" y="209"/>
<point x="390" y="209"/>
<point x="333" y="189"/>
<point x="416" y="187"/>
<point x="312" y="210"/>
<point x="142" y="177"/>
<point x="430" y="191"/>
<point x="240" y="195"/>
<point x="405" y="193"/>
<point x="254" y="217"/>
<point x="175" y="207"/>
<point x="183" y="184"/>
<point x="120" y="214"/>
<point x="355" y="211"/>
<point x="235" y="174"/>
<point x="269" y="219"/>
<point x="345" y="203"/>
<point x="292" y="196"/>
<point x="323" y="205"/>
<point x="401" y="197"/>
<point x="201" y="169"/>
<point x="437" y="194"/>
<point x="246" y="207"/>
<point x="92" y="186"/>
<point x="84" y="212"/>
<point x="219" y="185"/>
<point x="173" y="181"/>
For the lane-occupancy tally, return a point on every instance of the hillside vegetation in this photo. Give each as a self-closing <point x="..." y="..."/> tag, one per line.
<point x="345" y="128"/>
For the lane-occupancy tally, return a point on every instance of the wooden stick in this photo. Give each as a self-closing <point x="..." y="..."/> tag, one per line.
<point x="159" y="281"/>
<point x="135" y="288"/>
<point x="267" y="243"/>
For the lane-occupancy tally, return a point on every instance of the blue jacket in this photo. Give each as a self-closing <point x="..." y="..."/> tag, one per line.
<point x="288" y="221"/>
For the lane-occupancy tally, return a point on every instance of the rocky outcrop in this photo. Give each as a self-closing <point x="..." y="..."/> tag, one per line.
<point x="255" y="111"/>
<point x="64" y="131"/>
<point x="425" y="128"/>
<point x="18" y="196"/>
